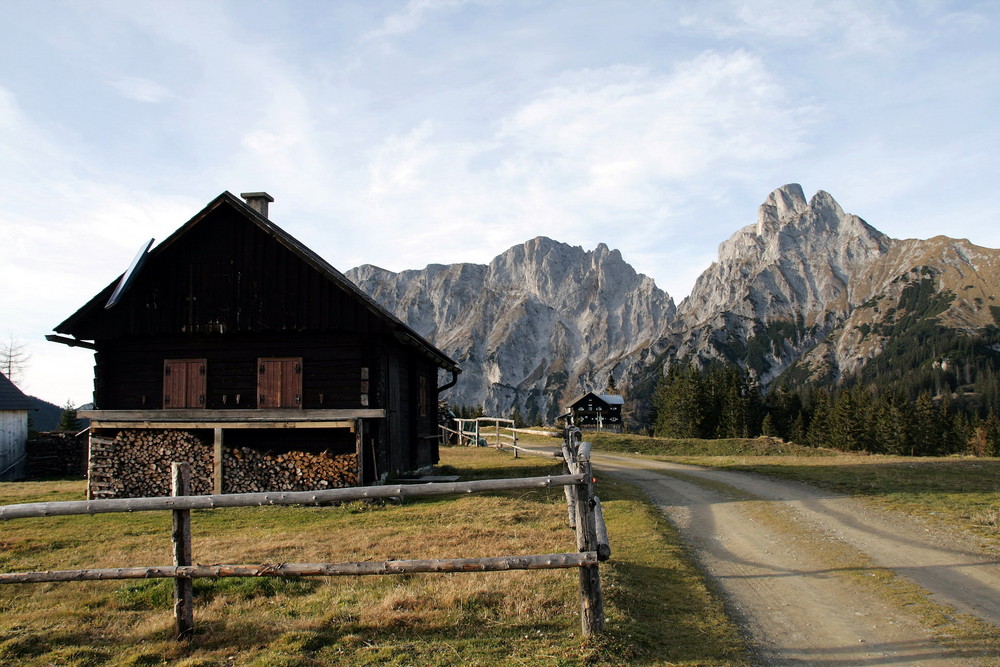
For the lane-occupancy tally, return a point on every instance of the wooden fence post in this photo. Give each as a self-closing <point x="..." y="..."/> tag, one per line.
<point x="591" y="598"/>
<point x="181" y="537"/>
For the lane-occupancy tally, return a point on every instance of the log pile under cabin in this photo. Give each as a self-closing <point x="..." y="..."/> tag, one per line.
<point x="136" y="463"/>
<point x="57" y="454"/>
<point x="247" y="470"/>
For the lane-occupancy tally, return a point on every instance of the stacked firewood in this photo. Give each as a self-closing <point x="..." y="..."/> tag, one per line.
<point x="57" y="454"/>
<point x="136" y="463"/>
<point x="246" y="470"/>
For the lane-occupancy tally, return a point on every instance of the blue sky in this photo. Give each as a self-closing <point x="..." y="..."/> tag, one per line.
<point x="437" y="131"/>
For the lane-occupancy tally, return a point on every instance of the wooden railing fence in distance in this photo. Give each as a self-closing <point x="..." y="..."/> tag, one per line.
<point x="579" y="482"/>
<point x="479" y="431"/>
<point x="490" y="431"/>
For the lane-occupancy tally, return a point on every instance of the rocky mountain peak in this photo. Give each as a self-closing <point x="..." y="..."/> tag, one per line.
<point x="792" y="269"/>
<point x="782" y="207"/>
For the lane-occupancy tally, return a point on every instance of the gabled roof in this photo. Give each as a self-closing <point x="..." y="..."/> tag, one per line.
<point x="324" y="268"/>
<point x="610" y="399"/>
<point x="12" y="398"/>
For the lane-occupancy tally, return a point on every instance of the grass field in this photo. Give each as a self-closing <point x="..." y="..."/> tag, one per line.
<point x="658" y="608"/>
<point x="962" y="492"/>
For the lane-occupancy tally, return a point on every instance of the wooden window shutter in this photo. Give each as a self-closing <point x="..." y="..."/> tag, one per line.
<point x="184" y="383"/>
<point x="279" y="382"/>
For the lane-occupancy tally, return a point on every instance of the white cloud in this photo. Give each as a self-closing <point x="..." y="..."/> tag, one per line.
<point x="141" y="90"/>
<point x="412" y="16"/>
<point x="848" y="25"/>
<point x="600" y="155"/>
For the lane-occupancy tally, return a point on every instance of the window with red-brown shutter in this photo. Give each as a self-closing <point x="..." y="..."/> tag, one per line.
<point x="183" y="383"/>
<point x="279" y="382"/>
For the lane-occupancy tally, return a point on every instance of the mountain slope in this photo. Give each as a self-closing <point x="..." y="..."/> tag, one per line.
<point x="541" y="323"/>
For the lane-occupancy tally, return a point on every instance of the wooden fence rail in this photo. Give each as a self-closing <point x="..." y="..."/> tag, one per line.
<point x="585" y="514"/>
<point x="319" y="497"/>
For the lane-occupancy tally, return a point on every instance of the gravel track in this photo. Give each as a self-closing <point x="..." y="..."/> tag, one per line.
<point x="766" y="545"/>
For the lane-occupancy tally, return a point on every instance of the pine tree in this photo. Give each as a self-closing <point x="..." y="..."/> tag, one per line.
<point x="927" y="432"/>
<point x="818" y="434"/>
<point x="767" y="427"/>
<point x="516" y="416"/>
<point x="680" y="410"/>
<point x="848" y="428"/>
<point x="67" y="419"/>
<point x="800" y="427"/>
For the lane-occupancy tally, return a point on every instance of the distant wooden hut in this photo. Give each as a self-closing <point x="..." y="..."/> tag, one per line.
<point x="602" y="412"/>
<point x="275" y="369"/>
<point x="14" y="407"/>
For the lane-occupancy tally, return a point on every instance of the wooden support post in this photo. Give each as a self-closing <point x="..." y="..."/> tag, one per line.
<point x="90" y="444"/>
<point x="217" y="462"/>
<point x="359" y="448"/>
<point x="591" y="598"/>
<point x="181" y="536"/>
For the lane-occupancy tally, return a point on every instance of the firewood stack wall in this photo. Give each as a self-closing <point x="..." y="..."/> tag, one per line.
<point x="136" y="463"/>
<point x="57" y="454"/>
<point x="247" y="470"/>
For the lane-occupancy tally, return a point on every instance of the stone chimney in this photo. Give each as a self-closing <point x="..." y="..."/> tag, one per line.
<point x="258" y="201"/>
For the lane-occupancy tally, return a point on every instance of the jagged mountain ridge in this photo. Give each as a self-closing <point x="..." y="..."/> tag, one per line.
<point x="807" y="291"/>
<point x="811" y="286"/>
<point x="542" y="322"/>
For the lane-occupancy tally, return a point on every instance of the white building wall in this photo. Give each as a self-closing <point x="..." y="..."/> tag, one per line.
<point x="13" y="438"/>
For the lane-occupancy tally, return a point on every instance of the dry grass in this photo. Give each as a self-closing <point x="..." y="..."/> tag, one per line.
<point x="659" y="611"/>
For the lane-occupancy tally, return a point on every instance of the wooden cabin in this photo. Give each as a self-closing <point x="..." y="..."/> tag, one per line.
<point x="602" y="412"/>
<point x="233" y="346"/>
<point x="14" y="407"/>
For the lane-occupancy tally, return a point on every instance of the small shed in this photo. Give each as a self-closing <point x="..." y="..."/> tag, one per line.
<point x="14" y="407"/>
<point x="234" y="346"/>
<point x="602" y="412"/>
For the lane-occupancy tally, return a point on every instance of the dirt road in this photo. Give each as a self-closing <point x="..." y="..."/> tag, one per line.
<point x="802" y="568"/>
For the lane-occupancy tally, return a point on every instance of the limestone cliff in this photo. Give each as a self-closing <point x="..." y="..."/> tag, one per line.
<point x="542" y="322"/>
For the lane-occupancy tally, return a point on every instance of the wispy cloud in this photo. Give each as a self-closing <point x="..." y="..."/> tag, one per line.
<point x="848" y="25"/>
<point x="141" y="90"/>
<point x="601" y="152"/>
<point x="413" y="15"/>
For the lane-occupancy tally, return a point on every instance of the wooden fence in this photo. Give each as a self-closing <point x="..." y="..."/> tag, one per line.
<point x="479" y="431"/>
<point x="491" y="432"/>
<point x="583" y="507"/>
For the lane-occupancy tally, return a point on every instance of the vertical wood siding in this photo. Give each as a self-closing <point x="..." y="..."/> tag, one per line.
<point x="13" y="436"/>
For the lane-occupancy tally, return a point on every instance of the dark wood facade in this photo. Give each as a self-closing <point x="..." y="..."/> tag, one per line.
<point x="231" y="318"/>
<point x="597" y="411"/>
